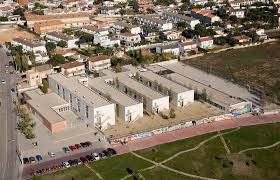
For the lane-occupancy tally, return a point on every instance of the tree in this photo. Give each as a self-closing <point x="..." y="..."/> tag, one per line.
<point x="19" y="11"/>
<point x="62" y="43"/>
<point x="50" y="46"/>
<point x="44" y="87"/>
<point x="56" y="60"/>
<point x="18" y="62"/>
<point x="124" y="30"/>
<point x="220" y="41"/>
<point x="233" y="19"/>
<point x="203" y="95"/>
<point x="118" y="68"/>
<point x="172" y="113"/>
<point x="201" y="30"/>
<point x="123" y="12"/>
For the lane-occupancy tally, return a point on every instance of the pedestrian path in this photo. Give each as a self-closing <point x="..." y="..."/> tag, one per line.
<point x="195" y="131"/>
<point x="9" y="164"/>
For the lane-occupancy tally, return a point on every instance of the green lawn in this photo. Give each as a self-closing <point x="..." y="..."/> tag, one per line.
<point x="253" y="136"/>
<point x="116" y="167"/>
<point x="257" y="66"/>
<point x="163" y="151"/>
<point x="209" y="160"/>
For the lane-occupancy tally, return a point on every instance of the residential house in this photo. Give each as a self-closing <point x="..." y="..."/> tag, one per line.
<point x="144" y="5"/>
<point x="129" y="39"/>
<point x="155" y="22"/>
<point x="98" y="63"/>
<point x="58" y="36"/>
<point x="29" y="45"/>
<point x="168" y="48"/>
<point x="242" y="39"/>
<point x="204" y="42"/>
<point x="48" y="26"/>
<point x="119" y="25"/>
<point x="172" y="35"/>
<point x="204" y="16"/>
<point x="239" y="13"/>
<point x="73" y="68"/>
<point x="175" y="18"/>
<point x="187" y="45"/>
<point x="94" y="30"/>
<point x="110" y="11"/>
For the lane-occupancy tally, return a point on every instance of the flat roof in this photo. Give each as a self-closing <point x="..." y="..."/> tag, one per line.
<point x="28" y="42"/>
<point x="100" y="85"/>
<point x="84" y="93"/>
<point x="61" y="36"/>
<point x="175" y="87"/>
<point x="44" y="104"/>
<point x="139" y="87"/>
<point x="211" y="80"/>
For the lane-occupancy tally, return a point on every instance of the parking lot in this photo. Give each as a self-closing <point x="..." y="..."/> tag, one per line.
<point x="45" y="142"/>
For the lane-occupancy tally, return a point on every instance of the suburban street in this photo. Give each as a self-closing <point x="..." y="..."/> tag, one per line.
<point x="9" y="161"/>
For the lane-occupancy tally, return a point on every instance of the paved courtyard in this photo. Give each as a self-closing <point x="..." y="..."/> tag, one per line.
<point x="76" y="132"/>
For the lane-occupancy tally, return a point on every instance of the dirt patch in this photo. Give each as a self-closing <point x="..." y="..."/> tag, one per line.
<point x="8" y="32"/>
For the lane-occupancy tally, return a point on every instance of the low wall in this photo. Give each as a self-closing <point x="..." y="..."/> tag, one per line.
<point x="132" y="137"/>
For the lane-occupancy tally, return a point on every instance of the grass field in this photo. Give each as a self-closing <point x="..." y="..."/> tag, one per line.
<point x="204" y="156"/>
<point x="257" y="66"/>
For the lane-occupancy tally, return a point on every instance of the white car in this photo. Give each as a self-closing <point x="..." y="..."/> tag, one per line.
<point x="3" y="81"/>
<point x="51" y="154"/>
<point x="96" y="156"/>
<point x="66" y="164"/>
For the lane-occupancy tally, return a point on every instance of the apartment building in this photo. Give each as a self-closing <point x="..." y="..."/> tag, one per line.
<point x="87" y="104"/>
<point x="175" y="18"/>
<point x="59" y="36"/>
<point x="204" y="16"/>
<point x="98" y="63"/>
<point x="129" y="39"/>
<point x="73" y="68"/>
<point x="127" y="108"/>
<point x="29" y="45"/>
<point x="155" y="22"/>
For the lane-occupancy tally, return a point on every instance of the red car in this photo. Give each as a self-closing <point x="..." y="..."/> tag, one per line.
<point x="88" y="143"/>
<point x="84" y="159"/>
<point x="72" y="148"/>
<point x="78" y="146"/>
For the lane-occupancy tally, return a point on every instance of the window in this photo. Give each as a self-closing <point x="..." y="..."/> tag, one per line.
<point x="70" y="98"/>
<point x="87" y="111"/>
<point x="78" y="102"/>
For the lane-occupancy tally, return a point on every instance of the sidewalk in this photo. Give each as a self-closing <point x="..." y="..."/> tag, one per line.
<point x="195" y="131"/>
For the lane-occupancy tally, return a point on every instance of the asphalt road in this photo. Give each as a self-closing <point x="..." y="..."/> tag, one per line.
<point x="9" y="161"/>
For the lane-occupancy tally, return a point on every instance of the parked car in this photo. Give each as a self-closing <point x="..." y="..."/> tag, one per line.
<point x="78" y="146"/>
<point x="78" y="161"/>
<point x="84" y="159"/>
<point x="72" y="148"/>
<point x="25" y="161"/>
<point x="88" y="143"/>
<point x="72" y="162"/>
<point x="90" y="157"/>
<point x="102" y="155"/>
<point x="66" y="164"/>
<point x="3" y="81"/>
<point x="32" y="160"/>
<point x="39" y="157"/>
<point x="51" y="154"/>
<point x="96" y="156"/>
<point x="84" y="145"/>
<point x="106" y="153"/>
<point x="112" y="151"/>
<point x="66" y="149"/>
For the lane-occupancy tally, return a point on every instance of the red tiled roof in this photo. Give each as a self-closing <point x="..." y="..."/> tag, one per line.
<point x="71" y="65"/>
<point x="99" y="58"/>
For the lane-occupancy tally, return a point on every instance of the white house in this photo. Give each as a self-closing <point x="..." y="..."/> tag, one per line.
<point x="155" y="22"/>
<point x="172" y="35"/>
<point x="110" y="11"/>
<point x="187" y="45"/>
<point x="129" y="39"/>
<point x="105" y="41"/>
<point x="239" y="13"/>
<point x="94" y="30"/>
<point x="119" y="25"/>
<point x="72" y="68"/>
<point x="175" y="18"/>
<point x="204" y="42"/>
<point x="29" y="45"/>
<point x="169" y="48"/>
<point x="98" y="63"/>
<point x="58" y="36"/>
